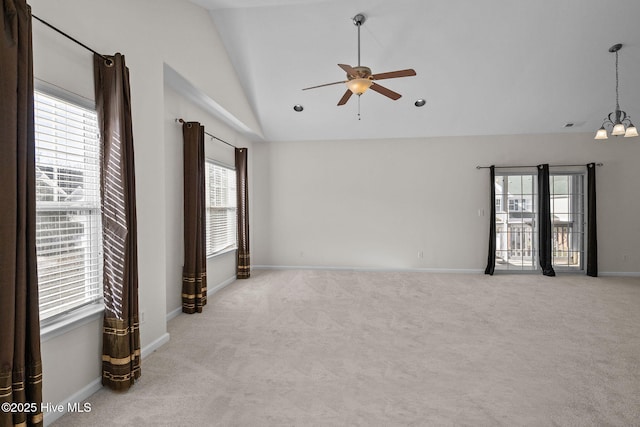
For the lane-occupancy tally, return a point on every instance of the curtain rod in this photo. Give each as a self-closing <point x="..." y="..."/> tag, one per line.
<point x="535" y="166"/>
<point x="212" y="136"/>
<point x="109" y="61"/>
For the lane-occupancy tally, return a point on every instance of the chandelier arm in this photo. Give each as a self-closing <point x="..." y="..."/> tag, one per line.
<point x="623" y="116"/>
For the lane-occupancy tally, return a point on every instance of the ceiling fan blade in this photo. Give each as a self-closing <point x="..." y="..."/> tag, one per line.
<point x="345" y="97"/>
<point x="327" y="84"/>
<point x="386" y="92"/>
<point x="349" y="69"/>
<point x="393" y="74"/>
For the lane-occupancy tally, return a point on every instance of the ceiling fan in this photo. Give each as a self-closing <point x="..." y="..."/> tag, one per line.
<point x="359" y="78"/>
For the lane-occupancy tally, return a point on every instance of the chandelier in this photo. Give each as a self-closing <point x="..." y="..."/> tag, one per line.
<point x="618" y="120"/>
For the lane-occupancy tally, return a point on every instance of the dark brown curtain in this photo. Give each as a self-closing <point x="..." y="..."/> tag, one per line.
<point x="491" y="257"/>
<point x="194" y="271"/>
<point x="243" y="269"/>
<point x="545" y="225"/>
<point x="121" y="333"/>
<point x="20" y="364"/>
<point x="592" y="225"/>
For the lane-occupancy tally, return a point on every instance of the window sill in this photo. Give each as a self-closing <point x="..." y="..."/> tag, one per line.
<point x="71" y="321"/>
<point x="222" y="252"/>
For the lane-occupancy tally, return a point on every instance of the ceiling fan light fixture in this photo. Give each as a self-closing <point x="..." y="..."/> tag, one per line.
<point x="359" y="86"/>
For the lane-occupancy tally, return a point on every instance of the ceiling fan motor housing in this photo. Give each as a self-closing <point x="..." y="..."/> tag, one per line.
<point x="361" y="73"/>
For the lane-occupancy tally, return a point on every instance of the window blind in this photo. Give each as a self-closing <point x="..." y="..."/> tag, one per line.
<point x="221" y="230"/>
<point x="68" y="225"/>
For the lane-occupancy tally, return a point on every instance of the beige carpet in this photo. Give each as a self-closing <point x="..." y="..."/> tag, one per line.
<point x="335" y="348"/>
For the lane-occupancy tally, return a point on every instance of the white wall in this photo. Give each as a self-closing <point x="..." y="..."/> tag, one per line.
<point x="150" y="33"/>
<point x="377" y="203"/>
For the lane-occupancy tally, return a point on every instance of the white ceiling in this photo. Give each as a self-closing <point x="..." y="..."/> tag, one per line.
<point x="485" y="67"/>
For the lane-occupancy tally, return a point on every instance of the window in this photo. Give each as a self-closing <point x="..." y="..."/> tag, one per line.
<point x="221" y="208"/>
<point x="517" y="204"/>
<point x="516" y="229"/>
<point x="68" y="226"/>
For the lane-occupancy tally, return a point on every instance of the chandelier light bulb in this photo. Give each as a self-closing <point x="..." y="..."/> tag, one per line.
<point x="631" y="131"/>
<point x="618" y="129"/>
<point x="601" y="133"/>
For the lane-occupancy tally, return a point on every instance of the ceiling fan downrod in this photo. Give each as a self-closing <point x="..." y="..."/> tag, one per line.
<point x="358" y="20"/>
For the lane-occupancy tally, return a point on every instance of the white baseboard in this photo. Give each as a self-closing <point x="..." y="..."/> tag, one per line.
<point x="162" y="340"/>
<point x="368" y="269"/>
<point x="210" y="292"/>
<point x="620" y="273"/>
<point x="411" y="270"/>
<point x="220" y="286"/>
<point x="80" y="396"/>
<point x="174" y="313"/>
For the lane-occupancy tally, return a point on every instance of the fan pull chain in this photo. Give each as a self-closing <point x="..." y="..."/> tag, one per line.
<point x="359" y="108"/>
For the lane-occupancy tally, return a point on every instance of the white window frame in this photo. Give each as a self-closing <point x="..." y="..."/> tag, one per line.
<point x="91" y="308"/>
<point x="211" y="204"/>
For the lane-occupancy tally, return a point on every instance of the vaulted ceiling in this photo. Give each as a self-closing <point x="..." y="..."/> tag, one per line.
<point x="485" y="67"/>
